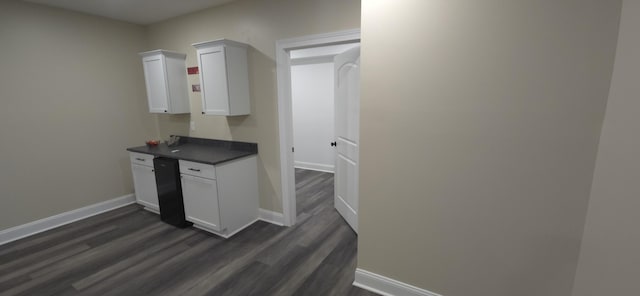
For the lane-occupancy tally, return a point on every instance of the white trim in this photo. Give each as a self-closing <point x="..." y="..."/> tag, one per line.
<point x="329" y="168"/>
<point x="242" y="228"/>
<point x="349" y="214"/>
<point x="35" y="227"/>
<point x="152" y="210"/>
<point x="283" y="61"/>
<point x="221" y="234"/>
<point x="271" y="217"/>
<point x="313" y="60"/>
<point x="386" y="286"/>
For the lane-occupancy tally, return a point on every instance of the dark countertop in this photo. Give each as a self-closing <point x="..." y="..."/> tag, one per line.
<point x="201" y="150"/>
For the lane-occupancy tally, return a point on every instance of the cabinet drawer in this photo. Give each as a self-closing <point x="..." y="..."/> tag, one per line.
<point x="197" y="169"/>
<point x="141" y="159"/>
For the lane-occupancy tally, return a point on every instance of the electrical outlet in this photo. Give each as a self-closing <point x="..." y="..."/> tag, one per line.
<point x="193" y="125"/>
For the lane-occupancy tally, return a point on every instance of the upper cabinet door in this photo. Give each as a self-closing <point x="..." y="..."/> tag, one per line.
<point x="213" y="81"/>
<point x="156" y="82"/>
<point x="224" y="77"/>
<point x="165" y="75"/>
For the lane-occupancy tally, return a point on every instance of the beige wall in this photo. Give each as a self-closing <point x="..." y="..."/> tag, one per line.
<point x="260" y="23"/>
<point x="72" y="94"/>
<point x="610" y="253"/>
<point x="479" y="129"/>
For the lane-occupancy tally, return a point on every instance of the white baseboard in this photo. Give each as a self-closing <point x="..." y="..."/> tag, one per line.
<point x="225" y="236"/>
<point x="31" y="228"/>
<point x="386" y="286"/>
<point x="314" y="166"/>
<point x="272" y="217"/>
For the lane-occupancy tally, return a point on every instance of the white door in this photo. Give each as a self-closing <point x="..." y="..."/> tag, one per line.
<point x="155" y="78"/>
<point x="347" y="119"/>
<point x="144" y="183"/>
<point x="213" y="80"/>
<point x="201" y="201"/>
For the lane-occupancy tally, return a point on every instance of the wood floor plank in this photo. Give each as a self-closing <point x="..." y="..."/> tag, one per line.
<point x="49" y="279"/>
<point x="129" y="251"/>
<point x="269" y="278"/>
<point x="332" y="269"/>
<point x="103" y="251"/>
<point x="119" y="266"/>
<point x="194" y="262"/>
<point x="45" y="261"/>
<point x="183" y="274"/>
<point x="130" y="278"/>
<point x="26" y="260"/>
<point x="12" y="282"/>
<point x="201" y="284"/>
<point x="309" y="229"/>
<point x="321" y="222"/>
<point x="242" y="282"/>
<point x="290" y="283"/>
<point x="43" y="240"/>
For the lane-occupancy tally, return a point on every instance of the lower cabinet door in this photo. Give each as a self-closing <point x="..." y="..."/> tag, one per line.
<point x="201" y="201"/>
<point x="144" y="183"/>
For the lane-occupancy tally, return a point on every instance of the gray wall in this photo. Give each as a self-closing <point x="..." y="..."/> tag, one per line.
<point x="73" y="98"/>
<point x="480" y="125"/>
<point x="610" y="254"/>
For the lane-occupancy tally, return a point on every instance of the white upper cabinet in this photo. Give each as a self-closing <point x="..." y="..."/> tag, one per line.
<point x="224" y="77"/>
<point x="165" y="75"/>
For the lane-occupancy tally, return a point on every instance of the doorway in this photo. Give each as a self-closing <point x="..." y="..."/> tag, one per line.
<point x="306" y="50"/>
<point x="312" y="97"/>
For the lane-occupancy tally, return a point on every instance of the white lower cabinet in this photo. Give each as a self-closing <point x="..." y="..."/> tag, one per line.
<point x="201" y="201"/>
<point x="144" y="181"/>
<point x="222" y="199"/>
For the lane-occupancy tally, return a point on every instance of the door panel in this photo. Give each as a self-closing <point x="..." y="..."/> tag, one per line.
<point x="201" y="201"/>
<point x="347" y="148"/>
<point x="156" y="84"/>
<point x="144" y="182"/>
<point x="347" y="118"/>
<point x="215" y="90"/>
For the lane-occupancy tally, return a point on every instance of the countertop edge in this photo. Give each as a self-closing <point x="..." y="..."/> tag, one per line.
<point x="243" y="154"/>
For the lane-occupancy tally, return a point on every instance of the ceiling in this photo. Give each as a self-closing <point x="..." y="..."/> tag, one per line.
<point x="141" y="12"/>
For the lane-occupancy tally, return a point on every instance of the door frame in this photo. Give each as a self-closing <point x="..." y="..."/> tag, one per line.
<point x="285" y="114"/>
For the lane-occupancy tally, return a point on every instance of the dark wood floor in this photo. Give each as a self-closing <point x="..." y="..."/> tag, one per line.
<point x="128" y="251"/>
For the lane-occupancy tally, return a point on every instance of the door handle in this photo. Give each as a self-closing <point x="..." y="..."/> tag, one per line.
<point x="334" y="144"/>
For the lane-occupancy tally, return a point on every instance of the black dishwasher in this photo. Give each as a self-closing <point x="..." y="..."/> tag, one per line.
<point x="167" y="173"/>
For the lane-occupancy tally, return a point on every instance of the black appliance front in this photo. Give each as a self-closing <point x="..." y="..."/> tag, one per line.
<point x="167" y="173"/>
